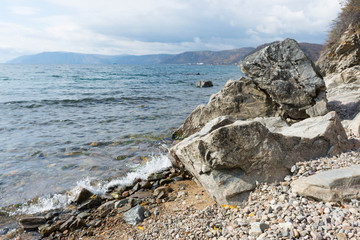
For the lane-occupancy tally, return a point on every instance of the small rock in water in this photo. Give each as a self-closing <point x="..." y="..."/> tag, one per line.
<point x="204" y="84"/>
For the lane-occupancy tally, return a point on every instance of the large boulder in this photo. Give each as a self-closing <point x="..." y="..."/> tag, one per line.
<point x="289" y="77"/>
<point x="333" y="185"/>
<point x="284" y="82"/>
<point x="228" y="157"/>
<point x="239" y="99"/>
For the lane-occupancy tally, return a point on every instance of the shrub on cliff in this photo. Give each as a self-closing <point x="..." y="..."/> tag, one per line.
<point x="350" y="14"/>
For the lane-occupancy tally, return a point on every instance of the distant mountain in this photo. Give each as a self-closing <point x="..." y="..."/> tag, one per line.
<point x="80" y="58"/>
<point x="210" y="57"/>
<point x="225" y="57"/>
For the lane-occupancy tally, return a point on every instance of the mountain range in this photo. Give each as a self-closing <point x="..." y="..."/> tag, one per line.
<point x="226" y="57"/>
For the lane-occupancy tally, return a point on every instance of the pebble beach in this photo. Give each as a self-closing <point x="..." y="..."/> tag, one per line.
<point x="272" y="212"/>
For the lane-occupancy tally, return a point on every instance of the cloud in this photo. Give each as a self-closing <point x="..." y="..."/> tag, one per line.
<point x="159" y="26"/>
<point x="23" y="10"/>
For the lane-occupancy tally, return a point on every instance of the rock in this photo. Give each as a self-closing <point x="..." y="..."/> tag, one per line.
<point x="330" y="186"/>
<point x="283" y="71"/>
<point x="316" y="235"/>
<point x="30" y="223"/>
<point x="47" y="230"/>
<point x="67" y="224"/>
<point x="257" y="228"/>
<point x="107" y="206"/>
<point x="76" y="224"/>
<point x="95" y="223"/>
<point x="30" y="236"/>
<point x="82" y="194"/>
<point x="239" y="154"/>
<point x="83" y="215"/>
<point x="278" y="73"/>
<point x="156" y="176"/>
<point x="135" y="215"/>
<point x="120" y="203"/>
<point x="165" y="181"/>
<point x="146" y="185"/>
<point x="342" y="55"/>
<point x="204" y="84"/>
<point x="116" y="195"/>
<point x="163" y="189"/>
<point x="93" y="202"/>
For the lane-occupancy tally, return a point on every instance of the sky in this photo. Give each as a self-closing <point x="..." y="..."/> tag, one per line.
<point x="137" y="27"/>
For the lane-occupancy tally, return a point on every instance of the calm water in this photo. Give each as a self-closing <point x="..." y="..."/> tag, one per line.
<point x="62" y="123"/>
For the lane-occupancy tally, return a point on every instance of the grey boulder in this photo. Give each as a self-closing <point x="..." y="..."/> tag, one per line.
<point x="333" y="185"/>
<point x="135" y="215"/>
<point x="284" y="82"/>
<point x="228" y="157"/>
<point x="289" y="78"/>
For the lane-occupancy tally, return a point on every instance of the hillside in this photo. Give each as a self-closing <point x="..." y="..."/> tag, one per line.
<point x="226" y="57"/>
<point x="210" y="57"/>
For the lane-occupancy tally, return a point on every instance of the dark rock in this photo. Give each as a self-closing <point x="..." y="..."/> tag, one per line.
<point x="146" y="185"/>
<point x="107" y="206"/>
<point x="136" y="187"/>
<point x="92" y="203"/>
<point x="82" y="195"/>
<point x="165" y="181"/>
<point x="77" y="223"/>
<point x="83" y="215"/>
<point x="157" y="176"/>
<point x="135" y="215"/>
<point x="120" y="203"/>
<point x="67" y="224"/>
<point x="30" y="223"/>
<point x="178" y="178"/>
<point x="204" y="84"/>
<point x="95" y="223"/>
<point x="163" y="189"/>
<point x="46" y="230"/>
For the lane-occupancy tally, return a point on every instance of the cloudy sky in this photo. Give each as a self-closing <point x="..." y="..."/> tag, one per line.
<point x="157" y="26"/>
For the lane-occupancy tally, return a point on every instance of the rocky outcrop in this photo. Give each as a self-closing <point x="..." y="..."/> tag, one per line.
<point x="291" y="80"/>
<point x="283" y="83"/>
<point x="333" y="185"/>
<point x="228" y="157"/>
<point x="340" y="67"/>
<point x="342" y="56"/>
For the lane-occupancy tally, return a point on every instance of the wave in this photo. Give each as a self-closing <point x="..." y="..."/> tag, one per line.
<point x="57" y="201"/>
<point x="83" y="101"/>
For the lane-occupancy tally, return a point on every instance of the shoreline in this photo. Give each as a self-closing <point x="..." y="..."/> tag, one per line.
<point x="188" y="212"/>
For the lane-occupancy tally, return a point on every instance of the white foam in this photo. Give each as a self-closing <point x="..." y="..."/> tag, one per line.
<point x="46" y="203"/>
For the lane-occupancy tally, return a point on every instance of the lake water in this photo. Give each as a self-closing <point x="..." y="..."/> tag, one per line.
<point x="63" y="124"/>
